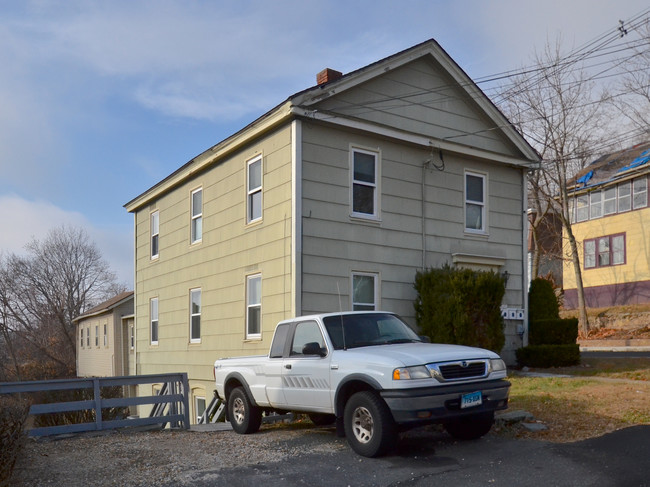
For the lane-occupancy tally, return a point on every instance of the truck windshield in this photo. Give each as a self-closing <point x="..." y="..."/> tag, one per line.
<point x="362" y="330"/>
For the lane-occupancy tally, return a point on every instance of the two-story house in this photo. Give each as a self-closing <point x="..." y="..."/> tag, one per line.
<point x="609" y="214"/>
<point x="331" y="200"/>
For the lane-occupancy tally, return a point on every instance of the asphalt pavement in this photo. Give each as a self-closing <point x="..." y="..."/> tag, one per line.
<point x="425" y="458"/>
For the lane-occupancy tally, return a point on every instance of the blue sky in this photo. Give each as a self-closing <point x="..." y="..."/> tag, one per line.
<point x="99" y="100"/>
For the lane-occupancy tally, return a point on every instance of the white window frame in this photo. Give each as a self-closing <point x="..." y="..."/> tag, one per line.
<point x="252" y="192"/>
<point x="154" y="320"/>
<point x="640" y="191"/>
<point x="609" y="197"/>
<point x="627" y="197"/>
<point x="375" y="185"/>
<point x="97" y="336"/>
<point x="132" y="336"/>
<point x="250" y="305"/>
<point x="595" y="205"/>
<point x="483" y="205"/>
<point x="88" y="336"/>
<point x="81" y="335"/>
<point x="361" y="306"/>
<point x="193" y="292"/>
<point x="105" y="335"/>
<point x="582" y="208"/>
<point x="196" y="218"/>
<point x="154" y="220"/>
<point x="196" y="406"/>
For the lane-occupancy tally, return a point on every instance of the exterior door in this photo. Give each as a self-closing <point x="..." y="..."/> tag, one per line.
<point x="306" y="378"/>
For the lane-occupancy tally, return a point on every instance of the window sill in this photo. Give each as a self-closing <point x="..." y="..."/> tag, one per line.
<point x="373" y="220"/>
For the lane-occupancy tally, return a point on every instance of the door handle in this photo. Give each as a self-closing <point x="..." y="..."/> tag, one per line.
<point x="287" y="366"/>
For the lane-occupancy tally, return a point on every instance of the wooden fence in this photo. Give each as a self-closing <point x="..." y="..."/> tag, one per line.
<point x="171" y="407"/>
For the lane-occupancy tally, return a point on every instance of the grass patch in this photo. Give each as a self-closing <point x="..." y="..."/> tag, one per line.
<point x="614" y="368"/>
<point x="588" y="404"/>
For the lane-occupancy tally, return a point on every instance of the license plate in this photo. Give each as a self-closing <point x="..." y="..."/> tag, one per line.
<point x="470" y="400"/>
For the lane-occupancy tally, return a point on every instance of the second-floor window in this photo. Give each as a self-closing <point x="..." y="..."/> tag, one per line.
<point x="640" y="189"/>
<point x="155" y="224"/>
<point x="88" y="337"/>
<point x="604" y="251"/>
<point x="97" y="335"/>
<point x="106" y="335"/>
<point x="364" y="183"/>
<point x="81" y="335"/>
<point x="475" y="202"/>
<point x="254" y="189"/>
<point x="254" y="306"/>
<point x="196" y="232"/>
<point x="195" y="315"/>
<point x="154" y="321"/>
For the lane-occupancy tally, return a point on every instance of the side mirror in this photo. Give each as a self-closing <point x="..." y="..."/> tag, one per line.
<point x="313" y="348"/>
<point x="425" y="339"/>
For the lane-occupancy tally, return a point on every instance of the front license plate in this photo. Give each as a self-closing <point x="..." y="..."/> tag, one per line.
<point x="470" y="400"/>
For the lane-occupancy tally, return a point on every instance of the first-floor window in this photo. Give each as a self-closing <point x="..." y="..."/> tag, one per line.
<point x="199" y="407"/>
<point x="195" y="315"/>
<point x="254" y="306"/>
<point x="364" y="291"/>
<point x="81" y="335"/>
<point x="153" y="312"/>
<point x="132" y="335"/>
<point x="604" y="251"/>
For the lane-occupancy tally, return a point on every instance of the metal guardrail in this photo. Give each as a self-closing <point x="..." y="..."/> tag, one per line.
<point x="178" y="402"/>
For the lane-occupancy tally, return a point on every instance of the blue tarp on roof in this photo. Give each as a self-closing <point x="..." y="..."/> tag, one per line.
<point x="585" y="178"/>
<point x="639" y="161"/>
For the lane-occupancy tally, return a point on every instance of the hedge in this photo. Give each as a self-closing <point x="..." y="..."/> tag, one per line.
<point x="553" y="332"/>
<point x="13" y="414"/>
<point x="545" y="356"/>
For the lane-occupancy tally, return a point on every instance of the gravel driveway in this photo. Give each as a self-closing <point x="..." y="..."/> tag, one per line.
<point x="161" y="457"/>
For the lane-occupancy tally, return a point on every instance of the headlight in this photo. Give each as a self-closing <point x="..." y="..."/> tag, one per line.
<point x="417" y="372"/>
<point x="497" y="365"/>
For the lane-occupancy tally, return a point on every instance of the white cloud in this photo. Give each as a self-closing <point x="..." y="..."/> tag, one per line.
<point x="22" y="220"/>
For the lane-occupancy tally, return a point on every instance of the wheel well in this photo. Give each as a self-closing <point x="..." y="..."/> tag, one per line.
<point x="347" y="390"/>
<point x="231" y="384"/>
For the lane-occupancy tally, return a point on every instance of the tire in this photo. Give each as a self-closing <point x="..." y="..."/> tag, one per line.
<point x="369" y="426"/>
<point x="470" y="427"/>
<point x="320" y="419"/>
<point x="244" y="417"/>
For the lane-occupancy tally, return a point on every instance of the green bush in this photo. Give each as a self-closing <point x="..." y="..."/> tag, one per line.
<point x="13" y="414"/>
<point x="544" y="356"/>
<point x="461" y="306"/>
<point x="542" y="301"/>
<point x="553" y="332"/>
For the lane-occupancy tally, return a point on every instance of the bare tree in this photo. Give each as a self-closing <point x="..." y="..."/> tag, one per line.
<point x="633" y="93"/>
<point x="555" y="109"/>
<point x="42" y="292"/>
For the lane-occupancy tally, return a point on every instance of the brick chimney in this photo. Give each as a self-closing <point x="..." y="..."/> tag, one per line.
<point x="327" y="75"/>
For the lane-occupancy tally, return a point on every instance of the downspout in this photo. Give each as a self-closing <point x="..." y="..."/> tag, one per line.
<point x="296" y="217"/>
<point x="135" y="299"/>
<point x="424" y="220"/>
<point x="524" y="250"/>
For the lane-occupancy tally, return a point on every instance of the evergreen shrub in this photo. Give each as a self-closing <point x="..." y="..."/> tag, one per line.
<point x="461" y="306"/>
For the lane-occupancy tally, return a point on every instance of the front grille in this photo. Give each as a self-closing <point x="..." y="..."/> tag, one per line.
<point x="462" y="370"/>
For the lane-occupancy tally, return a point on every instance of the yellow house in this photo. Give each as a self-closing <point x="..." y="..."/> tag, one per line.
<point x="609" y="209"/>
<point x="331" y="200"/>
<point x="106" y="338"/>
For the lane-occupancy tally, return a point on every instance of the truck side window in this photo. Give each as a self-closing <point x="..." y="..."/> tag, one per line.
<point x="306" y="332"/>
<point x="279" y="339"/>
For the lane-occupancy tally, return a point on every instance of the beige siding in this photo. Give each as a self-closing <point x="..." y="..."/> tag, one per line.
<point x="421" y="98"/>
<point x="96" y="360"/>
<point x="230" y="250"/>
<point x="335" y="244"/>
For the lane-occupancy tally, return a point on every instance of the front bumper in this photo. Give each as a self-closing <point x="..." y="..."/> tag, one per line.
<point x="442" y="403"/>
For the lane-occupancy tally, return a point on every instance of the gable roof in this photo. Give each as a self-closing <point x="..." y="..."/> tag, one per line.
<point x="304" y="104"/>
<point x="613" y="167"/>
<point x="106" y="306"/>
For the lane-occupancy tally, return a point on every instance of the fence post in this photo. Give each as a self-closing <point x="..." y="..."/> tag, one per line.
<point x="185" y="385"/>
<point x="98" y="404"/>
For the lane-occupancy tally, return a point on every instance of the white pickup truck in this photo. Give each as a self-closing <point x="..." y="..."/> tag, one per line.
<point x="368" y="372"/>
